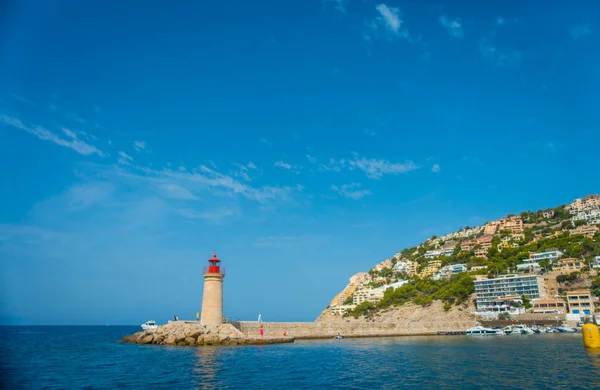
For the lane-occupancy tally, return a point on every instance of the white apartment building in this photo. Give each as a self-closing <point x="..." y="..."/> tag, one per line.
<point x="340" y="310"/>
<point x="488" y="291"/>
<point x="404" y="266"/>
<point x="551" y="255"/>
<point x="596" y="262"/>
<point x="367" y="295"/>
<point x="528" y="265"/>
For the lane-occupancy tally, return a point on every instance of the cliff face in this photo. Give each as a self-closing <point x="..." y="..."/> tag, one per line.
<point x="412" y="313"/>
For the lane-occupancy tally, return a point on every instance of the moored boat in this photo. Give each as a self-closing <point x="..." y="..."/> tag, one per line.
<point x="148" y="325"/>
<point x="482" y="331"/>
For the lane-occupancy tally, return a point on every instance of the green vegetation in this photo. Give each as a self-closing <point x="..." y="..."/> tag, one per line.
<point x="504" y="316"/>
<point x="596" y="286"/>
<point x="506" y="252"/>
<point x="422" y="292"/>
<point x="364" y="309"/>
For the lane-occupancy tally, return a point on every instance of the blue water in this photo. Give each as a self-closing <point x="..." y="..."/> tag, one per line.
<point x="90" y="357"/>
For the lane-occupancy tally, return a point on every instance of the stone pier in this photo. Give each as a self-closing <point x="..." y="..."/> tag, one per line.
<point x="195" y="334"/>
<point x="320" y="330"/>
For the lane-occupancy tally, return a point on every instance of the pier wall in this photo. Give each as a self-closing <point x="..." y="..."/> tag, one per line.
<point x="317" y="330"/>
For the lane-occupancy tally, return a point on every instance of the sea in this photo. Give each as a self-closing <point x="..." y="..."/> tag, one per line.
<point x="89" y="357"/>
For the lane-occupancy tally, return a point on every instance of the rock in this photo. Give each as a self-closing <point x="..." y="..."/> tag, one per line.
<point x="180" y="337"/>
<point x="170" y="340"/>
<point x="223" y="338"/>
<point x="147" y="339"/>
<point x="190" y="341"/>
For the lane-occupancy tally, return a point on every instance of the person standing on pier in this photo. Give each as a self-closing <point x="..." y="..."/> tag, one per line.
<point x="197" y="316"/>
<point x="261" y="331"/>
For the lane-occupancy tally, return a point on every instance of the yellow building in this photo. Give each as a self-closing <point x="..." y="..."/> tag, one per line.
<point x="431" y="268"/>
<point x="580" y="302"/>
<point x="568" y="265"/>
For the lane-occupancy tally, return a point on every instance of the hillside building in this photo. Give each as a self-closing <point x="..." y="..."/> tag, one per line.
<point x="488" y="291"/>
<point x="580" y="302"/>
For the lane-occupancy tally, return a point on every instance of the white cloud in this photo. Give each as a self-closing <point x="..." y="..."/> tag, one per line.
<point x="245" y="171"/>
<point x="435" y="168"/>
<point x="42" y="133"/>
<point x="374" y="168"/>
<point x="124" y="158"/>
<point x="69" y="133"/>
<point x="76" y="118"/>
<point x="290" y="167"/>
<point x="23" y="100"/>
<point x="266" y="142"/>
<point x="283" y="165"/>
<point x="580" y="31"/>
<point x="140" y="146"/>
<point x="174" y="191"/>
<point x="388" y="23"/>
<point x="205" y="177"/>
<point x="338" y="5"/>
<point x="210" y="215"/>
<point x="389" y="17"/>
<point x="351" y="191"/>
<point x="453" y="26"/>
<point x="82" y="196"/>
<point x="311" y="159"/>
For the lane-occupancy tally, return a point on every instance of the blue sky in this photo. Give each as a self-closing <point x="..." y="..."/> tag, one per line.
<point x="304" y="141"/>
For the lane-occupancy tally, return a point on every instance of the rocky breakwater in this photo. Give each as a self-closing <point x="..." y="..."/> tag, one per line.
<point x="195" y="334"/>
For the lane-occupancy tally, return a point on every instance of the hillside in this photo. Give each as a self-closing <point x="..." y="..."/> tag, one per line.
<point x="439" y="273"/>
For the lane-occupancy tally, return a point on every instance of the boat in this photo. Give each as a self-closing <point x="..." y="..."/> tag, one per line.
<point x="149" y="325"/>
<point x="566" y="329"/>
<point x="482" y="331"/>
<point x="509" y="330"/>
<point x="339" y="337"/>
<point x="524" y="329"/>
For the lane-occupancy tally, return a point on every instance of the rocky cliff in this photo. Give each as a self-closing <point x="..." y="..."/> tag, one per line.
<point x="410" y="312"/>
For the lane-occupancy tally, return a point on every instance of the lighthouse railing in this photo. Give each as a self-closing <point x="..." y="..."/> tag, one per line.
<point x="206" y="270"/>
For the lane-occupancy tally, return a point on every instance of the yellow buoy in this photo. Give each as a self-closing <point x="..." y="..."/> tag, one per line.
<point x="591" y="335"/>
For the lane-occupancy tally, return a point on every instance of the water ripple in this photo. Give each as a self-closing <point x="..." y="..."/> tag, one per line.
<point x="89" y="357"/>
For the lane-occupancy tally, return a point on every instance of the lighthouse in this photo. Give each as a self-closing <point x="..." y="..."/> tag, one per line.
<point x="212" y="299"/>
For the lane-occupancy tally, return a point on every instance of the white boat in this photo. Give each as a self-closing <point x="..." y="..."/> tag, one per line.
<point x="523" y="329"/>
<point x="481" y="331"/>
<point x="509" y="330"/>
<point x="149" y="325"/>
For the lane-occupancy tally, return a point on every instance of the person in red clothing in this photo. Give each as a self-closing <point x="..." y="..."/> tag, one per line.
<point x="261" y="331"/>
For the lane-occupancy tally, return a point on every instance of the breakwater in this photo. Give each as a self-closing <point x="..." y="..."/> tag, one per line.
<point x="195" y="334"/>
<point x="319" y="330"/>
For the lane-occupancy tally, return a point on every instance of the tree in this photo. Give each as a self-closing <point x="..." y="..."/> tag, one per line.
<point x="504" y="316"/>
<point x="580" y="222"/>
<point x="526" y="302"/>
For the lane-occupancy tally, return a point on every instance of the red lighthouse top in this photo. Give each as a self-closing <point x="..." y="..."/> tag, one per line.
<point x="214" y="266"/>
